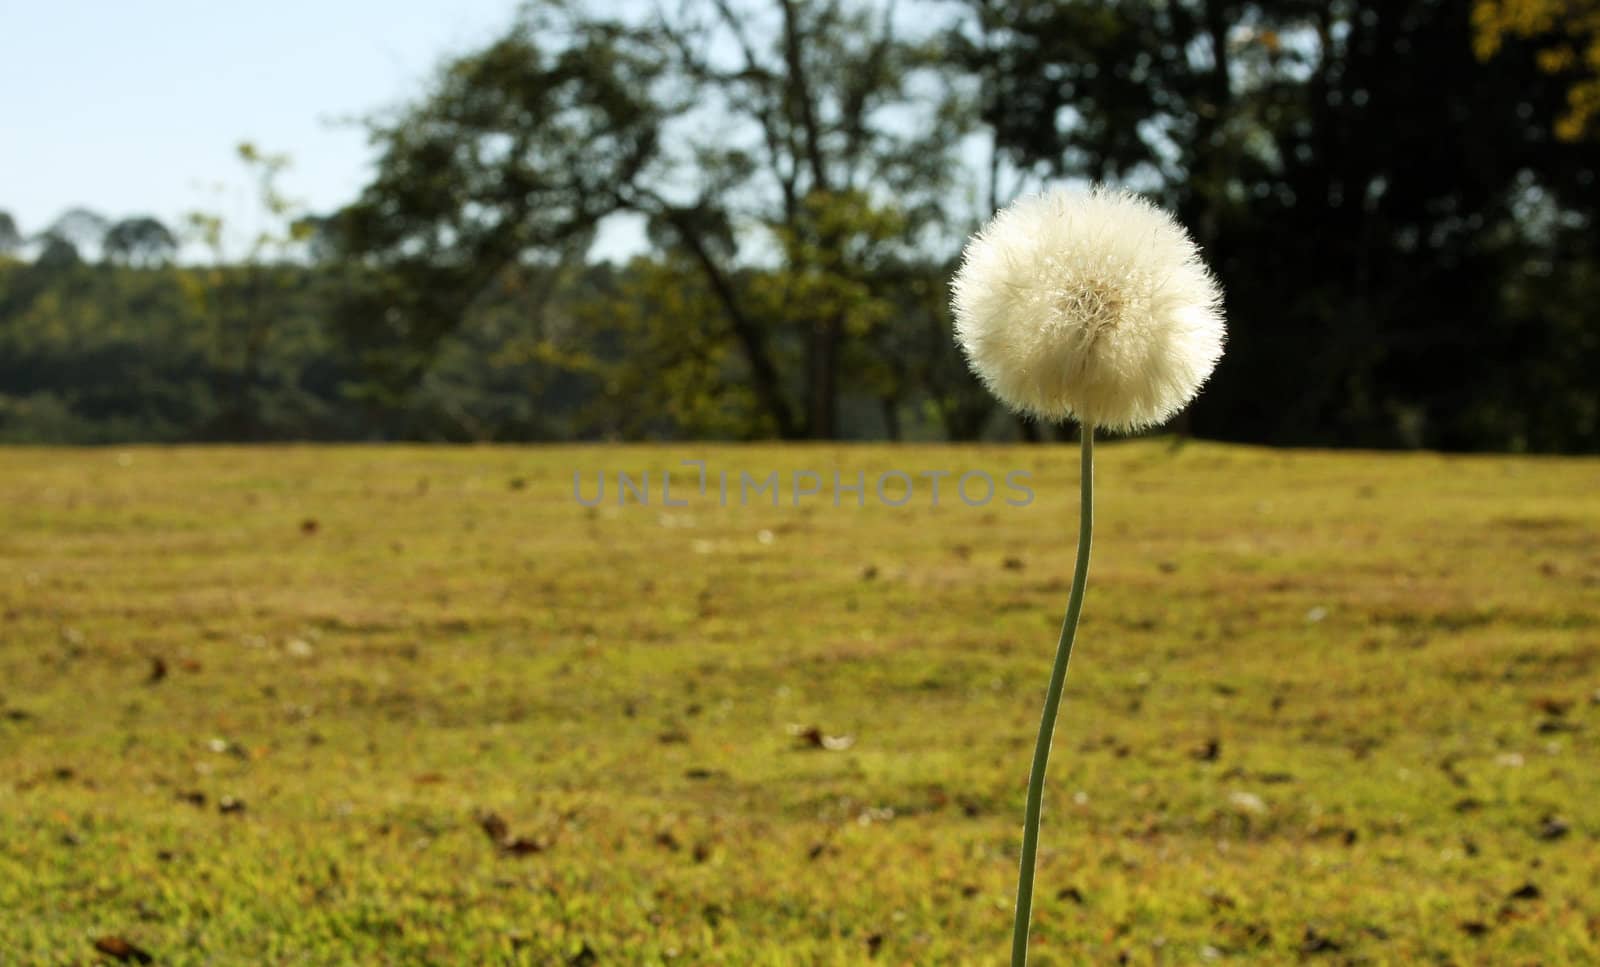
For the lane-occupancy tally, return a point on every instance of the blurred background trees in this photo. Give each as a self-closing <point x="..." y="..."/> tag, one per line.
<point x="1398" y="196"/>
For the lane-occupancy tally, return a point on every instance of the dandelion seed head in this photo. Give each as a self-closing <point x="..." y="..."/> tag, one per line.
<point x="1088" y="305"/>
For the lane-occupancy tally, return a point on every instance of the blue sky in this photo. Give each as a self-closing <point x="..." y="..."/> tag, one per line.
<point x="135" y="108"/>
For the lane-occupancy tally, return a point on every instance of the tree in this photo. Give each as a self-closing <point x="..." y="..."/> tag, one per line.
<point x="80" y="228"/>
<point x="788" y="175"/>
<point x="806" y="147"/>
<point x="507" y="165"/>
<point x="1365" y="226"/>
<point x="140" y="241"/>
<point x="246" y="294"/>
<point x="10" y="236"/>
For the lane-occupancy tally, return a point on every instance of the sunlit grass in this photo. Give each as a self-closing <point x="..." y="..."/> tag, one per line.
<point x="1335" y="706"/>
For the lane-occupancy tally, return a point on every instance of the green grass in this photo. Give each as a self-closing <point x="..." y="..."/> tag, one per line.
<point x="1393" y="658"/>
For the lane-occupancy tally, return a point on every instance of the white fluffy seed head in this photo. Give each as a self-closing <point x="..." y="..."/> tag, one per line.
<point x="1090" y="305"/>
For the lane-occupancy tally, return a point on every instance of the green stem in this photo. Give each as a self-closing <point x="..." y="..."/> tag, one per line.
<point x="1052" y="704"/>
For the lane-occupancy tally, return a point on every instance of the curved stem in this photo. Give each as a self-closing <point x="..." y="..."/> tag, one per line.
<point x="1052" y="704"/>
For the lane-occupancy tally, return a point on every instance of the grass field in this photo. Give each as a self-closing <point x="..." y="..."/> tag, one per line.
<point x="413" y="705"/>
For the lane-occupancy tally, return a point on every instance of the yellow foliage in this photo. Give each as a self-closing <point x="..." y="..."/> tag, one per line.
<point x="1570" y="33"/>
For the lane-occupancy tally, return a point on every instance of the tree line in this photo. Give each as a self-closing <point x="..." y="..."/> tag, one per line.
<point x="1398" y="197"/>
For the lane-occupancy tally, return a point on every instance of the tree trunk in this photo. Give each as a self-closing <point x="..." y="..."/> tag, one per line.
<point x="891" y="417"/>
<point x="823" y="381"/>
<point x="763" y="371"/>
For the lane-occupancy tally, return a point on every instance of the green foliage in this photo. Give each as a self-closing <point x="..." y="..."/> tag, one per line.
<point x="671" y="368"/>
<point x="258" y="304"/>
<point x="105" y="353"/>
<point x="834" y="253"/>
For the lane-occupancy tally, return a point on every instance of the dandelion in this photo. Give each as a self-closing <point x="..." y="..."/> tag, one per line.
<point x="1096" y="307"/>
<point x="1092" y="306"/>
